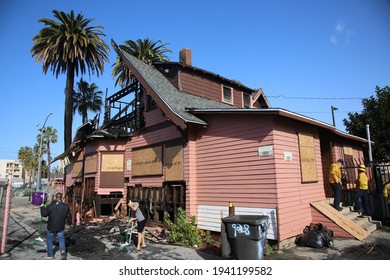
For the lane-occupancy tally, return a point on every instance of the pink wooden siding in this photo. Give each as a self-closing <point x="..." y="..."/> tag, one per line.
<point x="228" y="167"/>
<point x="207" y="88"/>
<point x="294" y="197"/>
<point x="153" y="117"/>
<point x="200" y="86"/>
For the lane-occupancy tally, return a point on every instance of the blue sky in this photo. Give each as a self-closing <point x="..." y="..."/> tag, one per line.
<point x="306" y="55"/>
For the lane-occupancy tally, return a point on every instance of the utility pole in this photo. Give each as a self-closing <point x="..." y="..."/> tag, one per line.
<point x="333" y="109"/>
<point x="40" y="155"/>
<point x="3" y="253"/>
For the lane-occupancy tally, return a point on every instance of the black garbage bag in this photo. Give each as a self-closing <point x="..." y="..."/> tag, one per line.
<point x="316" y="236"/>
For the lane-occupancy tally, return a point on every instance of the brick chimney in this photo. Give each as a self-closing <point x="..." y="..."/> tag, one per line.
<point x="185" y="56"/>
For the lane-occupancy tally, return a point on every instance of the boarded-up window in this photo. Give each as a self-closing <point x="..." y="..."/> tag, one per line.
<point x="90" y="163"/>
<point x="147" y="161"/>
<point x="112" y="163"/>
<point x="77" y="169"/>
<point x="112" y="174"/>
<point x="349" y="172"/>
<point x="307" y="157"/>
<point x="174" y="163"/>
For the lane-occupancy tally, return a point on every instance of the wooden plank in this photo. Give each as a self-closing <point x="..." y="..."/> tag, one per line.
<point x="342" y="221"/>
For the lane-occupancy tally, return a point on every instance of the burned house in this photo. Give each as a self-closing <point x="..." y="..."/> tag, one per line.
<point x="180" y="136"/>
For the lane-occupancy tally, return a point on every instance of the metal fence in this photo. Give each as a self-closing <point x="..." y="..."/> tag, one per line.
<point x="378" y="175"/>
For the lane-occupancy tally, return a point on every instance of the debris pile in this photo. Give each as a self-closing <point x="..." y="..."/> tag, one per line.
<point x="101" y="239"/>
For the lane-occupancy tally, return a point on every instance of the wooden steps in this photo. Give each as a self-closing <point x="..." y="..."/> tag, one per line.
<point x="367" y="223"/>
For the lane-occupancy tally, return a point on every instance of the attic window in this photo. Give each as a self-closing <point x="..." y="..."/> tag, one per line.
<point x="227" y="94"/>
<point x="246" y="100"/>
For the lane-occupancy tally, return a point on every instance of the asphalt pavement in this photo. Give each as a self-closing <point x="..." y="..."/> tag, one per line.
<point x="24" y="227"/>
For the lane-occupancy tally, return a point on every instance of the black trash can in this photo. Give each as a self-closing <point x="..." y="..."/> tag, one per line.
<point x="246" y="236"/>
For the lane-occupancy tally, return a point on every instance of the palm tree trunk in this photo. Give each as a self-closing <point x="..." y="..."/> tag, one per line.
<point x="85" y="117"/>
<point x="68" y="118"/>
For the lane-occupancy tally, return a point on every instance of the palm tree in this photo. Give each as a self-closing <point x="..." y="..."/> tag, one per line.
<point x="70" y="46"/>
<point x="49" y="136"/>
<point x="145" y="50"/>
<point x="88" y="97"/>
<point x="29" y="162"/>
<point x="24" y="155"/>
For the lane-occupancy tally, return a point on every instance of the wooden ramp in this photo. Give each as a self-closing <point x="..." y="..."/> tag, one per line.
<point x="342" y="221"/>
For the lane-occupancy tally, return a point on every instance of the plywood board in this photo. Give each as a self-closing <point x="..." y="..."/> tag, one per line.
<point x="348" y="151"/>
<point x="91" y="163"/>
<point x="112" y="162"/>
<point x="174" y="163"/>
<point x="147" y="161"/>
<point x="307" y="158"/>
<point x="77" y="169"/>
<point x="341" y="220"/>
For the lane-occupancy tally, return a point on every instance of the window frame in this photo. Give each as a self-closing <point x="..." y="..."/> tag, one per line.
<point x="243" y="100"/>
<point x="223" y="87"/>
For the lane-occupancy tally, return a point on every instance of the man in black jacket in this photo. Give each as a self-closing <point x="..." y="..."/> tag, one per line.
<point x="58" y="213"/>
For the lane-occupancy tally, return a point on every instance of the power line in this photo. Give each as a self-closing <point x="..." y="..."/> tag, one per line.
<point x="338" y="112"/>
<point x="297" y="97"/>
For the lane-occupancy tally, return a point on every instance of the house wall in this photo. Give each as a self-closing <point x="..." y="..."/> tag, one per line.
<point x="147" y="139"/>
<point x="95" y="147"/>
<point x="229" y="169"/>
<point x="69" y="178"/>
<point x="153" y="117"/>
<point x="334" y="149"/>
<point x="210" y="89"/>
<point x="293" y="196"/>
<point x="105" y="146"/>
<point x="227" y="163"/>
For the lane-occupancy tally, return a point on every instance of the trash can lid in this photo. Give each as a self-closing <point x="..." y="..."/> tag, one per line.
<point x="246" y="219"/>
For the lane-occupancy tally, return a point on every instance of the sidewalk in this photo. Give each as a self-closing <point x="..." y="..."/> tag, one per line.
<point x="24" y="226"/>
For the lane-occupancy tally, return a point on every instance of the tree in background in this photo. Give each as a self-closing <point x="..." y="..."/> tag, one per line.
<point x="29" y="161"/>
<point x="70" y="46"/>
<point x="376" y="113"/>
<point x="25" y="156"/>
<point x="49" y="136"/>
<point x="146" y="50"/>
<point x="87" y="98"/>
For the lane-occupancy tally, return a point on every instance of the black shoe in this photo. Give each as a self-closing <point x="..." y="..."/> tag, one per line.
<point x="340" y="209"/>
<point x="356" y="211"/>
<point x="63" y="256"/>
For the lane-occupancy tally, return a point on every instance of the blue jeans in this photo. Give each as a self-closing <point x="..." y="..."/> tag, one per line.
<point x="337" y="195"/>
<point x="363" y="195"/>
<point x="49" y="240"/>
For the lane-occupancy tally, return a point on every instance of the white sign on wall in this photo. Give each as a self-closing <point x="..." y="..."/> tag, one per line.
<point x="128" y="165"/>
<point x="287" y="155"/>
<point x="266" y="151"/>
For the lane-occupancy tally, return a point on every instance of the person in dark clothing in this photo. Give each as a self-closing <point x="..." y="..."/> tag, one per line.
<point x="58" y="213"/>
